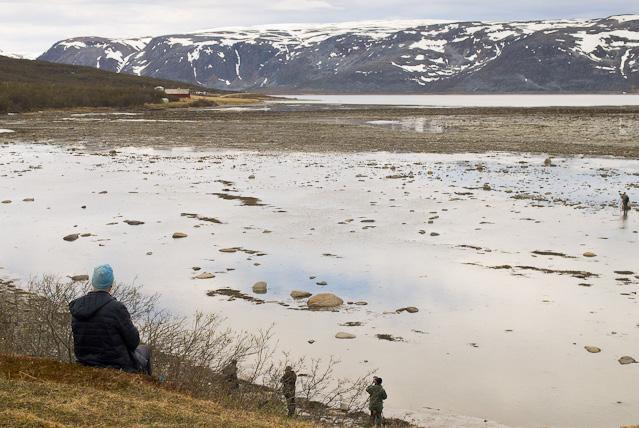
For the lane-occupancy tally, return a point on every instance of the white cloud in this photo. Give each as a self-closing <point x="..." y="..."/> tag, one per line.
<point x="299" y="5"/>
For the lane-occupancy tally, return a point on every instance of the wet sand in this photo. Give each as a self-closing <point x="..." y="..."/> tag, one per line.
<point x="490" y="248"/>
<point x="319" y="128"/>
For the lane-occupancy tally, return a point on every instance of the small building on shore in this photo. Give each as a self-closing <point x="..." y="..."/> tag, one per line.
<point x="177" y="94"/>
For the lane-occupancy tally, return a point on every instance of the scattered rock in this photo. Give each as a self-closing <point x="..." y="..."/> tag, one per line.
<point x="6" y="201"/>
<point x="228" y="250"/>
<point x="298" y="294"/>
<point x="79" y="278"/>
<point x="626" y="360"/>
<point x="311" y="341"/>
<point x="324" y="300"/>
<point x="178" y="235"/>
<point x="409" y="309"/>
<point x="343" y="335"/>
<point x="589" y="254"/>
<point x="196" y="268"/>
<point x="28" y="200"/>
<point x="204" y="275"/>
<point x="487" y="187"/>
<point x="72" y="237"/>
<point x="624" y="272"/>
<point x="321" y="283"/>
<point x="434" y="234"/>
<point x="592" y="349"/>
<point x="133" y="222"/>
<point x="259" y="287"/>
<point x="548" y="162"/>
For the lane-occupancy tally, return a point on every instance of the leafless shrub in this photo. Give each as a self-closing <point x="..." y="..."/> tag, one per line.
<point x="189" y="352"/>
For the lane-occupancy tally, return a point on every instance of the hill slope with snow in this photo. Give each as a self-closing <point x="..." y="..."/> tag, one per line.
<point x="387" y="56"/>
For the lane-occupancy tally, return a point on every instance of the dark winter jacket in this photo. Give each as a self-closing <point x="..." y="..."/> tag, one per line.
<point x="103" y="334"/>
<point x="377" y="397"/>
<point x="288" y="383"/>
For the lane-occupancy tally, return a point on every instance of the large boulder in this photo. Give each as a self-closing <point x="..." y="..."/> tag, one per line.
<point x="324" y="300"/>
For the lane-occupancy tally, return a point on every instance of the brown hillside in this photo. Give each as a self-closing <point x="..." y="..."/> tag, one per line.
<point x="45" y="393"/>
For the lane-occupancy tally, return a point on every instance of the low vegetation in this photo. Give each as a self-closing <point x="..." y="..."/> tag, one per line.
<point x="45" y="393"/>
<point x="35" y="85"/>
<point x="190" y="354"/>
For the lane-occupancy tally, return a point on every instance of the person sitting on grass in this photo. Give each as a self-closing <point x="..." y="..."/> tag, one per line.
<point x="103" y="334"/>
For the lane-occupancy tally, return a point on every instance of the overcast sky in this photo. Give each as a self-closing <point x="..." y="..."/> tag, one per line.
<point x="32" y="26"/>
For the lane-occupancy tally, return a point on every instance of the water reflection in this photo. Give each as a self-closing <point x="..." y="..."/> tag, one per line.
<point x="392" y="230"/>
<point x="415" y="124"/>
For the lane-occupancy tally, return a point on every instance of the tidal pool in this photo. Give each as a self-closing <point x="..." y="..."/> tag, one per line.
<point x="500" y="331"/>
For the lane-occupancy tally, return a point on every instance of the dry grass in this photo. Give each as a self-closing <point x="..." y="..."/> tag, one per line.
<point x="45" y="393"/>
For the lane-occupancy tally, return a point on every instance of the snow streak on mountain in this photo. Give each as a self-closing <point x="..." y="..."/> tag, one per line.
<point x="387" y="56"/>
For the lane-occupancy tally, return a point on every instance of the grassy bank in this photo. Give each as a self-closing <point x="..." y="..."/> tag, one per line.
<point x="35" y="85"/>
<point x="46" y="393"/>
<point x="189" y="354"/>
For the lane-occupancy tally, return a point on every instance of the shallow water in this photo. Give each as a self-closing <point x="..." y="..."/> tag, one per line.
<point x="502" y="344"/>
<point x="515" y="100"/>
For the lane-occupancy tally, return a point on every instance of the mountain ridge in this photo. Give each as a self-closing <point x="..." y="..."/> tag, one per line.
<point x="416" y="56"/>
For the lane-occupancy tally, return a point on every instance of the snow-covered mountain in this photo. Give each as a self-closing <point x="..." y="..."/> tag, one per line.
<point x="386" y="56"/>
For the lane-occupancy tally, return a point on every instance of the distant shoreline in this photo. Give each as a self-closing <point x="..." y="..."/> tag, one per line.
<point x="554" y="131"/>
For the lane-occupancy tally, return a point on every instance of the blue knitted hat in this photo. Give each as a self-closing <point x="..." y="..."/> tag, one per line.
<point x="102" y="277"/>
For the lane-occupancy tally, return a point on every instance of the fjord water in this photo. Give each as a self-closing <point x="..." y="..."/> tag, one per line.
<point x="496" y="336"/>
<point x="514" y="100"/>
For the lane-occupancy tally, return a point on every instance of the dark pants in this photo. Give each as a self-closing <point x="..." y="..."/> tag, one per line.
<point x="142" y="358"/>
<point x="290" y="404"/>
<point x="376" y="418"/>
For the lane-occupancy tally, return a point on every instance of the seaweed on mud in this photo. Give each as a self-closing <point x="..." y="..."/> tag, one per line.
<point x="575" y="273"/>
<point x="234" y="294"/>
<point x="201" y="218"/>
<point x="551" y="253"/>
<point x="248" y="201"/>
<point x="242" y="250"/>
<point x="472" y="247"/>
<point x="389" y="337"/>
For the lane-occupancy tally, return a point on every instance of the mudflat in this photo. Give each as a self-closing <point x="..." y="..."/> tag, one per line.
<point x="596" y="131"/>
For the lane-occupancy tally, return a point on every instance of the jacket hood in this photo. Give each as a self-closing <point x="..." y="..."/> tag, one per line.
<point x="86" y="306"/>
